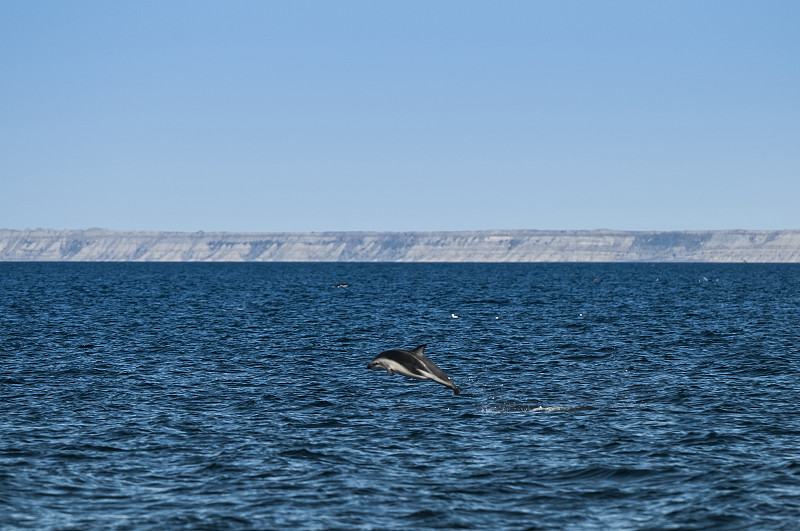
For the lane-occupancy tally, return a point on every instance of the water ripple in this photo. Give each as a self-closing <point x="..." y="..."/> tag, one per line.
<point x="235" y="396"/>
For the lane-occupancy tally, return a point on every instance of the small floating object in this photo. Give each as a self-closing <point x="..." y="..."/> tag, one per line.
<point x="454" y="316"/>
<point x="341" y="285"/>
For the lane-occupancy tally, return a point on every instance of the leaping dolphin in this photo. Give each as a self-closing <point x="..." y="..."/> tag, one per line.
<point x="412" y="363"/>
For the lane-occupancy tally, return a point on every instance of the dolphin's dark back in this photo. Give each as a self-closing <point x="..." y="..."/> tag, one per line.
<point x="403" y="357"/>
<point x="431" y="366"/>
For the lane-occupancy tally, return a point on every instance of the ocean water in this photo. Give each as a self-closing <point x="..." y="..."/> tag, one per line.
<point x="236" y="396"/>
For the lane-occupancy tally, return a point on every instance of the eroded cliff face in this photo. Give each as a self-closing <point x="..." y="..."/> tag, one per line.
<point x="479" y="246"/>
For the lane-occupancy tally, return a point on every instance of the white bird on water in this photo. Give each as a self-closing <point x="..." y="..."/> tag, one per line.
<point x="454" y="316"/>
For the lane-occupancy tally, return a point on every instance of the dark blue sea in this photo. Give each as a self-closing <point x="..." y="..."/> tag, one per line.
<point x="236" y="396"/>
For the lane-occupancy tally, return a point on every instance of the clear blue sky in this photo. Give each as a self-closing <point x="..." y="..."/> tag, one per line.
<point x="399" y="115"/>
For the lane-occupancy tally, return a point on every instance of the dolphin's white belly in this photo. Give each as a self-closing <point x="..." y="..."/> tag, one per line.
<point x="421" y="375"/>
<point x="401" y="369"/>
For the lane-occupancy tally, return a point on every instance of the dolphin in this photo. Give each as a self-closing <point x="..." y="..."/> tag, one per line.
<point x="412" y="363"/>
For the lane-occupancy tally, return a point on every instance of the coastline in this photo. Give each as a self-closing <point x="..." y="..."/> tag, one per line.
<point x="102" y="245"/>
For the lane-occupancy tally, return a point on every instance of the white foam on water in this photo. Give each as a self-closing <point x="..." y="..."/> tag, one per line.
<point x="532" y="409"/>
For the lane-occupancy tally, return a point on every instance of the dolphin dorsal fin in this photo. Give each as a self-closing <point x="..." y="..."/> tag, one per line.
<point x="418" y="352"/>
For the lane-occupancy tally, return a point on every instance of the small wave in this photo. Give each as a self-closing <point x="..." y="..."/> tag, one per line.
<point x="534" y="409"/>
<point x="423" y="514"/>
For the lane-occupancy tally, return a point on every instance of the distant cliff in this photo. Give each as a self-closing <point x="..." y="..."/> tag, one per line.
<point x="468" y="246"/>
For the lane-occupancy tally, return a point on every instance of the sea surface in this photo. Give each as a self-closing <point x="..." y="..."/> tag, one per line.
<point x="237" y="396"/>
